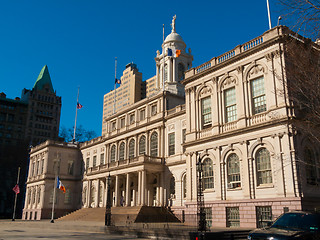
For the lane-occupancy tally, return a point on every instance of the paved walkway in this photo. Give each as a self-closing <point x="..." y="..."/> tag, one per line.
<point x="30" y="230"/>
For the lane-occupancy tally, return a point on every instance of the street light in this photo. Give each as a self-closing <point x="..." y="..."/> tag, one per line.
<point x="107" y="221"/>
<point x="202" y="225"/>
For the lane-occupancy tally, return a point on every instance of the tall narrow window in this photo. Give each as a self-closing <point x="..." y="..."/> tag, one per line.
<point x="264" y="173"/>
<point x="310" y="164"/>
<point x="184" y="182"/>
<point x="258" y="96"/>
<point x="70" y="167"/>
<point x="131" y="148"/>
<point x="102" y="159"/>
<point x="183" y="135"/>
<point x="206" y="112"/>
<point x="142" y="114"/>
<point x="171" y="140"/>
<point x="208" y="181"/>
<point x="87" y="163"/>
<point x="208" y="212"/>
<point x="113" y="154"/>
<point x="94" y="161"/>
<point x="233" y="171"/>
<point x="166" y="72"/>
<point x="121" y="151"/>
<point x="230" y="104"/>
<point x="181" y="70"/>
<point x="142" y="145"/>
<point x="154" y="144"/>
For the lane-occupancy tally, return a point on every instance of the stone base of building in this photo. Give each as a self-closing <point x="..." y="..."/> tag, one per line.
<point x="45" y="213"/>
<point x="244" y="213"/>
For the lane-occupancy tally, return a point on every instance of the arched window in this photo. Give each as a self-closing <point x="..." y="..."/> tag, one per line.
<point x="121" y="151"/>
<point x="131" y="148"/>
<point x="258" y="95"/>
<point x="113" y="154"/>
<point x="154" y="144"/>
<point x="310" y="164"/>
<point x="206" y="112"/>
<point x="181" y="70"/>
<point x="233" y="171"/>
<point x="172" y="187"/>
<point x="184" y="183"/>
<point x="142" y="145"/>
<point x="208" y="181"/>
<point x="264" y="173"/>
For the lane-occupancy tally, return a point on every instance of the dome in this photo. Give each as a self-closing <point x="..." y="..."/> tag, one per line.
<point x="173" y="37"/>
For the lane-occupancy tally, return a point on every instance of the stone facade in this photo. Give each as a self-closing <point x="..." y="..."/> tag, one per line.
<point x="231" y="121"/>
<point x="48" y="160"/>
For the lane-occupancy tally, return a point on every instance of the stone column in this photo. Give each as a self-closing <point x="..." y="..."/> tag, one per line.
<point x="106" y="193"/>
<point x="97" y="193"/>
<point x="161" y="188"/>
<point x="174" y="69"/>
<point x="89" y="194"/>
<point x="139" y="188"/>
<point x="134" y="203"/>
<point x="117" y="197"/>
<point x="128" y="199"/>
<point x="169" y="70"/>
<point x="143" y="187"/>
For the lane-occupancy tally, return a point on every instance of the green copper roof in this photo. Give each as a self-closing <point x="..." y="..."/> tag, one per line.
<point x="44" y="80"/>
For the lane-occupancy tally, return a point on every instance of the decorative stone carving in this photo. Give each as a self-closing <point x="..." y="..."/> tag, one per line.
<point x="257" y="69"/>
<point x="274" y="115"/>
<point x="205" y="91"/>
<point x="276" y="53"/>
<point x="171" y="127"/>
<point x="229" y="81"/>
<point x="268" y="56"/>
<point x="239" y="69"/>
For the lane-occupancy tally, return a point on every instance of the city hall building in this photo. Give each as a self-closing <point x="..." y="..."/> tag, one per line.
<point x="229" y="114"/>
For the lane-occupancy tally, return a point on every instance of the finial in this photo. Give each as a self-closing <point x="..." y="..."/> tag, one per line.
<point x="173" y="24"/>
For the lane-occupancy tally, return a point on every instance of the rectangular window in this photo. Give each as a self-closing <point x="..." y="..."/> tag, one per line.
<point x="258" y="96"/>
<point x="230" y="104"/>
<point x="102" y="159"/>
<point x="94" y="161"/>
<point x="183" y="135"/>
<point x="171" y="140"/>
<point x="206" y="112"/>
<point x="70" y="168"/>
<point x="233" y="217"/>
<point x="122" y="123"/>
<point x="113" y="126"/>
<point x="131" y="118"/>
<point x="264" y="216"/>
<point x="154" y="109"/>
<point x="142" y="114"/>
<point x="87" y="163"/>
<point x="208" y="212"/>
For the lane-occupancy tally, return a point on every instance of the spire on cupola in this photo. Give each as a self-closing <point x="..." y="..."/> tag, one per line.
<point x="173" y="62"/>
<point x="44" y="81"/>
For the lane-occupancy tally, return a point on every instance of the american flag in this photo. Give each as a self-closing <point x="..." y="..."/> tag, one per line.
<point x="79" y="106"/>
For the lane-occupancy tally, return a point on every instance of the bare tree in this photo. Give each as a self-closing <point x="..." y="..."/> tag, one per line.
<point x="302" y="83"/>
<point x="302" y="16"/>
<point x="82" y="134"/>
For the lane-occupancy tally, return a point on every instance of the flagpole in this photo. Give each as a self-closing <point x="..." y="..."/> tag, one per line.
<point x="15" y="199"/>
<point x="115" y="86"/>
<point x="269" y="14"/>
<point x="163" y="58"/>
<point x="75" y="121"/>
<point x="54" y="198"/>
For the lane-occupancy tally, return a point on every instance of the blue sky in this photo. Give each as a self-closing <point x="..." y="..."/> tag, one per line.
<point x="79" y="41"/>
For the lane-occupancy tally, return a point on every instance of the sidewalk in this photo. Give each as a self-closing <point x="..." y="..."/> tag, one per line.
<point x="141" y="230"/>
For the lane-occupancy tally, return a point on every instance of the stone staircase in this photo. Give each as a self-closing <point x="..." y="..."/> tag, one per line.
<point x="123" y="216"/>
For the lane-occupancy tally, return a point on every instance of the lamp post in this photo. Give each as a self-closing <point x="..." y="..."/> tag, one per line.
<point x="107" y="221"/>
<point x="202" y="225"/>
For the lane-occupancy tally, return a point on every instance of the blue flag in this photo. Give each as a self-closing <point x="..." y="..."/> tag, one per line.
<point x="169" y="52"/>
